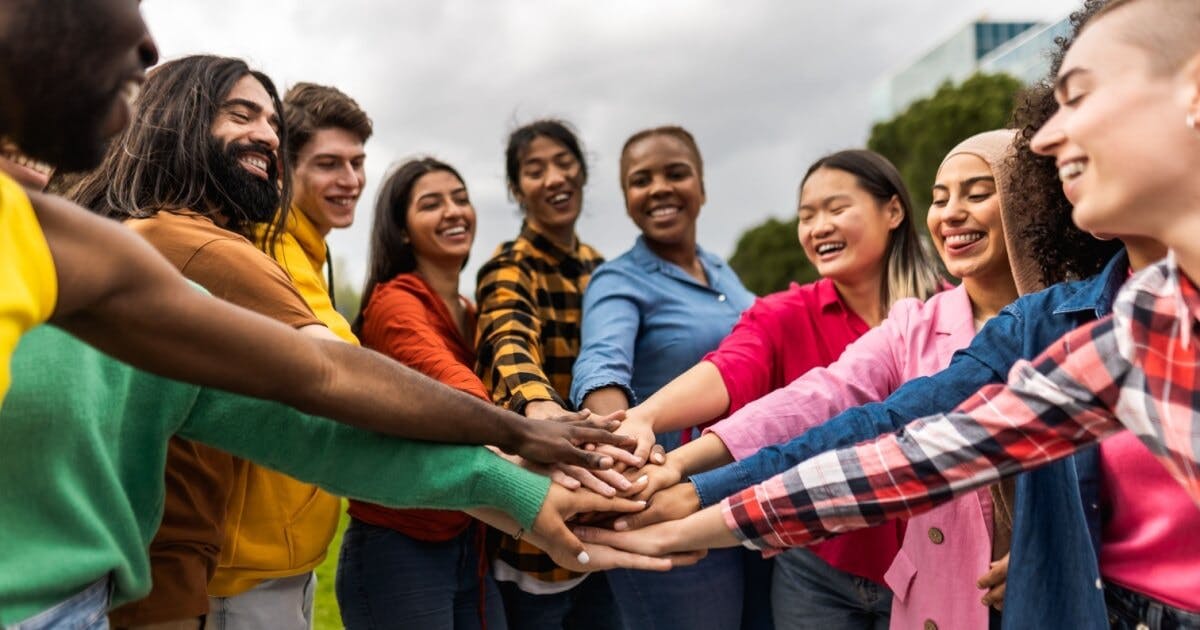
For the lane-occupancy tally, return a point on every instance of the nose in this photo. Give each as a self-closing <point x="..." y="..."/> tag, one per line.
<point x="263" y="132"/>
<point x="147" y="50"/>
<point x="347" y="177"/>
<point x="659" y="186"/>
<point x="555" y="177"/>
<point x="1051" y="136"/>
<point x="822" y="225"/>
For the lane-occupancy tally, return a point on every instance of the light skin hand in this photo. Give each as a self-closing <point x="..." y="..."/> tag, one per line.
<point x="659" y="477"/>
<point x="994" y="581"/>
<point x="551" y="534"/>
<point x="671" y="504"/>
<point x="702" y="530"/>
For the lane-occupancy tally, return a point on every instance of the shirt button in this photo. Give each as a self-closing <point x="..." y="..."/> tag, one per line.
<point x="721" y="298"/>
<point x="936" y="537"/>
<point x="930" y="625"/>
<point x="1099" y="584"/>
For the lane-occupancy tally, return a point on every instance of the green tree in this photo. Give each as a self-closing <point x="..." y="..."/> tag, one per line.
<point x="918" y="138"/>
<point x="768" y="257"/>
<point x="346" y="295"/>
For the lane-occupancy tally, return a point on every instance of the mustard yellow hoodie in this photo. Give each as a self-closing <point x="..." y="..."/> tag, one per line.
<point x="276" y="526"/>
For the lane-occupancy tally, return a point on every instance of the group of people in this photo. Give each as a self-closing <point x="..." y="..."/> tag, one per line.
<point x="907" y="442"/>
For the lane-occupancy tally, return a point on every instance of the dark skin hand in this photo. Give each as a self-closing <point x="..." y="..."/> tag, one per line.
<point x="118" y="294"/>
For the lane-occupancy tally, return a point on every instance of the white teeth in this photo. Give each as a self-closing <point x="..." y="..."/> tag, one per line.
<point x="256" y="162"/>
<point x="345" y="202"/>
<point x="23" y="160"/>
<point x="455" y="231"/>
<point x="959" y="239"/>
<point x="559" y="198"/>
<point x="665" y="211"/>
<point x="1070" y="171"/>
<point x="825" y="248"/>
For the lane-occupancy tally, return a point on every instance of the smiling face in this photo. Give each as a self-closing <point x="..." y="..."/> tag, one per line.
<point x="441" y="220"/>
<point x="1124" y="156"/>
<point x="28" y="172"/>
<point x="71" y="98"/>
<point x="550" y="186"/>
<point x="328" y="178"/>
<point x="244" y="157"/>
<point x="663" y="190"/>
<point x="843" y="229"/>
<point x="964" y="218"/>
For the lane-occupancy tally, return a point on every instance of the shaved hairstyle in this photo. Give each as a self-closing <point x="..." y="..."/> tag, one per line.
<point x="1171" y="36"/>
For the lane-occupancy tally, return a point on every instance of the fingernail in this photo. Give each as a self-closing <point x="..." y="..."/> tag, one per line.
<point x="643" y="479"/>
<point x="642" y="503"/>
<point x="583" y="557"/>
<point x="621" y="525"/>
<point x="608" y="492"/>
<point x="659" y="458"/>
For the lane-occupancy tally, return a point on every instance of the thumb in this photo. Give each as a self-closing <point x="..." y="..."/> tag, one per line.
<point x="592" y="502"/>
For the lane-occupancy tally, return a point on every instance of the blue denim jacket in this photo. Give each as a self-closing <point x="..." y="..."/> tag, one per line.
<point x="645" y="321"/>
<point x="1054" y="575"/>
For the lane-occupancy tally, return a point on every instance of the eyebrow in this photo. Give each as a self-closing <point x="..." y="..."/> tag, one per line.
<point x="826" y="201"/>
<point x="967" y="183"/>
<point x="1060" y="83"/>
<point x="438" y="194"/>
<point x="253" y="107"/>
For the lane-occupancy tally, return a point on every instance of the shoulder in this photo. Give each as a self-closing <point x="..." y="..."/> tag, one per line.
<point x="953" y="304"/>
<point x="405" y="292"/>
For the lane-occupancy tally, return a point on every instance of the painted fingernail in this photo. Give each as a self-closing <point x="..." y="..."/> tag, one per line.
<point x="621" y="525"/>
<point x="583" y="557"/>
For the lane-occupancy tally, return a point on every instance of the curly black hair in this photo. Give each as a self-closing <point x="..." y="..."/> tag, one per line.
<point x="1060" y="250"/>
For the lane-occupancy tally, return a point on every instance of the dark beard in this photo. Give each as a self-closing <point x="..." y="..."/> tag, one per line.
<point x="242" y="197"/>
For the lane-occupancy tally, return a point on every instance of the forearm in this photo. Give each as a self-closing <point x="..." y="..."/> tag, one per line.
<point x="700" y="455"/>
<point x="694" y="397"/>
<point x="606" y="400"/>
<point x="363" y="465"/>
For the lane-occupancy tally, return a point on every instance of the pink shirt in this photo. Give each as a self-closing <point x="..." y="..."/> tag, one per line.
<point x="944" y="551"/>
<point x="1151" y="539"/>
<point x="779" y="338"/>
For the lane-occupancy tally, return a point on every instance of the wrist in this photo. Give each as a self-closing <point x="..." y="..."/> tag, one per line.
<point x="511" y="432"/>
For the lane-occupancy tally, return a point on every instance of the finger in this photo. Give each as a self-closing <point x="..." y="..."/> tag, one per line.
<point x="637" y="488"/>
<point x="654" y="513"/>
<point x="645" y="443"/>
<point x="563" y="479"/>
<point x="658" y="454"/>
<point x="996" y="574"/>
<point x="607" y="557"/>
<point x="618" y="415"/>
<point x="614" y="479"/>
<point x="619" y="455"/>
<point x="591" y="502"/>
<point x="590" y="480"/>
<point x="564" y="543"/>
<point x="599" y="433"/>
<point x="635" y="542"/>
<point x="995" y="597"/>
<point x="687" y="558"/>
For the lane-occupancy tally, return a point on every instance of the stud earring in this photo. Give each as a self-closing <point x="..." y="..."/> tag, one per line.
<point x="1190" y="121"/>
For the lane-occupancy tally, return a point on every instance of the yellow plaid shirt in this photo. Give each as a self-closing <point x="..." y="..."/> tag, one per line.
<point x="530" y="296"/>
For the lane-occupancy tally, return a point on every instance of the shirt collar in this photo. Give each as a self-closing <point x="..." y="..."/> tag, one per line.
<point x="958" y="304"/>
<point x="1098" y="293"/>
<point x="547" y="247"/>
<point x="828" y="297"/>
<point x="648" y="260"/>
<point x="306" y="234"/>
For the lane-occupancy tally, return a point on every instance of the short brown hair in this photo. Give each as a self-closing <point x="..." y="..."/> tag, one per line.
<point x="308" y="108"/>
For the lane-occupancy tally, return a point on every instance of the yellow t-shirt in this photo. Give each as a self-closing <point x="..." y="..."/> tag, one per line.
<point x="28" y="283"/>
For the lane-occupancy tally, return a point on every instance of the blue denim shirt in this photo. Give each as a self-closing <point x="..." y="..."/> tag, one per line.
<point x="1054" y="574"/>
<point x="646" y="321"/>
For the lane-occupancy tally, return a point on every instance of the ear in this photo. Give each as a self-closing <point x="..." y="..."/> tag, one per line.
<point x="515" y="192"/>
<point x="895" y="212"/>
<point x="1191" y="79"/>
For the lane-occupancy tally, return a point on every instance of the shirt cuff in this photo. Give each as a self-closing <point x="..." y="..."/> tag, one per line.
<point x="511" y="489"/>
<point x="526" y="393"/>
<point x="580" y="390"/>
<point x="714" y="485"/>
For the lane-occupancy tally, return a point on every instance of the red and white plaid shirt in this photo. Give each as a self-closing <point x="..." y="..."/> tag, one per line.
<point x="1138" y="369"/>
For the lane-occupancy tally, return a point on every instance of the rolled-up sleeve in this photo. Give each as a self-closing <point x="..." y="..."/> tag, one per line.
<point x="611" y="318"/>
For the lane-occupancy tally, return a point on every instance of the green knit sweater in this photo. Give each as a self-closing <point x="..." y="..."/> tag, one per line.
<point x="83" y="444"/>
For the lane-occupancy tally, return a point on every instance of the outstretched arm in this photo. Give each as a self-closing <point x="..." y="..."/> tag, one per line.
<point x="118" y="294"/>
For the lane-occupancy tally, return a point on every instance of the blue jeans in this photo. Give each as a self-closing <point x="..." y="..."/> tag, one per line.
<point x="386" y="579"/>
<point x="588" y="606"/>
<point x="709" y="594"/>
<point x="808" y="593"/>
<point x="87" y="610"/>
<point x="1128" y="610"/>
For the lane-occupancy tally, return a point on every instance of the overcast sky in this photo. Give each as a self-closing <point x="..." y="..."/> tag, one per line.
<point x="766" y="86"/>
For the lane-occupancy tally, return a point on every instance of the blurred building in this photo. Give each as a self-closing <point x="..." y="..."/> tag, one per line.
<point x="1021" y="49"/>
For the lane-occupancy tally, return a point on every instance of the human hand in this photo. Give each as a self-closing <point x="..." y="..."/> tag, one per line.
<point x="995" y="581"/>
<point x="670" y="504"/>
<point x="550" y="532"/>
<point x="563" y="441"/>
<point x="636" y="425"/>
<point x="658" y="477"/>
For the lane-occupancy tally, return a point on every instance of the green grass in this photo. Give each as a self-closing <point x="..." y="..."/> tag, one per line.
<point x="325" y="609"/>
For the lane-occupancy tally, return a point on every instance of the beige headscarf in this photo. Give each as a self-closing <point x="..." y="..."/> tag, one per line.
<point x="996" y="148"/>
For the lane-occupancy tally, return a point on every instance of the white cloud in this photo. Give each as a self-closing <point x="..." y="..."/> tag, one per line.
<point x="765" y="85"/>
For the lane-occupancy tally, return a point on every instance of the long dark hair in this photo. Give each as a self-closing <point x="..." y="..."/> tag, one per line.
<point x="1060" y="250"/>
<point x="391" y="250"/>
<point x="159" y="162"/>
<point x="910" y="268"/>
